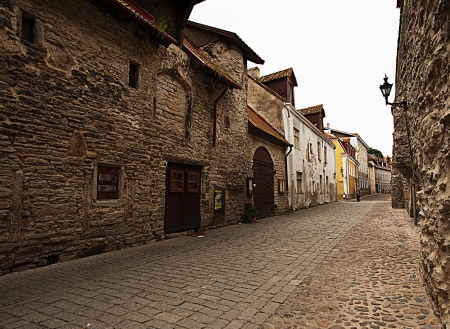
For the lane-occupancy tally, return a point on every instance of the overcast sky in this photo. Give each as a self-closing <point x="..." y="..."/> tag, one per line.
<point x="339" y="49"/>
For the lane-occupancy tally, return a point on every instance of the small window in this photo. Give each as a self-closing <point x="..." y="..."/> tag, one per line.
<point x="299" y="182"/>
<point x="281" y="186"/>
<point x="176" y="181"/>
<point x="325" y="155"/>
<point x="28" y="28"/>
<point x="296" y="138"/>
<point x="193" y="182"/>
<point x="133" y="75"/>
<point x="320" y="184"/>
<point x="107" y="183"/>
<point x="319" y="155"/>
<point x="227" y="122"/>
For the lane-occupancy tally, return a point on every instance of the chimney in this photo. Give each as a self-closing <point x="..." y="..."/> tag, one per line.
<point x="328" y="126"/>
<point x="253" y="72"/>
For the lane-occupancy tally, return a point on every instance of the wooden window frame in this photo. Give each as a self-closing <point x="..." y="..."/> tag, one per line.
<point x="171" y="181"/>
<point x="197" y="182"/>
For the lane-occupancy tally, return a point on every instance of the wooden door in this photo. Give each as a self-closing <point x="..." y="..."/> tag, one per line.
<point x="263" y="178"/>
<point x="182" y="211"/>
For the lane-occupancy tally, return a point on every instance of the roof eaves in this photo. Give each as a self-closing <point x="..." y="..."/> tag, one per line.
<point x="248" y="52"/>
<point x="205" y="62"/>
<point x="274" y="132"/>
<point x="132" y="9"/>
<point x="267" y="89"/>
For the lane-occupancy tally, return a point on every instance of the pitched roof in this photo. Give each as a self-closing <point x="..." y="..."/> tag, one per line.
<point x="279" y="75"/>
<point x="312" y="109"/>
<point x="135" y="10"/>
<point x="196" y="54"/>
<point x="248" y="52"/>
<point x="259" y="122"/>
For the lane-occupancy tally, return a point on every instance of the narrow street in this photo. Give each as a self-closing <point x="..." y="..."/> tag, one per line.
<point x="341" y="265"/>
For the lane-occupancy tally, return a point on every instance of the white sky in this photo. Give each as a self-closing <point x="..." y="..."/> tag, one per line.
<point x="339" y="49"/>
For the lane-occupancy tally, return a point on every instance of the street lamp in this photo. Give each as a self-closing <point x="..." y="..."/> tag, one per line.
<point x="386" y="88"/>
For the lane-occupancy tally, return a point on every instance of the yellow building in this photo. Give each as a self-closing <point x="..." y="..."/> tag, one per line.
<point x="346" y="168"/>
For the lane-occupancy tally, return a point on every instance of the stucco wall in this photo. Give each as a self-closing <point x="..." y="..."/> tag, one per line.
<point x="421" y="138"/>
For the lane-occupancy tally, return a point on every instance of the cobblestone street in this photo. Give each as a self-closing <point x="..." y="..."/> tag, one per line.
<point x="341" y="265"/>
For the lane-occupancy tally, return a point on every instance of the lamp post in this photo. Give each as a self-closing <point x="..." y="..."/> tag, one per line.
<point x="386" y="88"/>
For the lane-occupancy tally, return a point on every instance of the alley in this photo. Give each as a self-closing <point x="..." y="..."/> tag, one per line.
<point x="341" y="265"/>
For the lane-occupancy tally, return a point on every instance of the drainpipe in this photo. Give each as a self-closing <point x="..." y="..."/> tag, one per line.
<point x="286" y="168"/>
<point x="215" y="112"/>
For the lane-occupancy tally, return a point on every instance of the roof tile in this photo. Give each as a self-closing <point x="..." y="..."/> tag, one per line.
<point x="312" y="109"/>
<point x="259" y="122"/>
<point x="277" y="75"/>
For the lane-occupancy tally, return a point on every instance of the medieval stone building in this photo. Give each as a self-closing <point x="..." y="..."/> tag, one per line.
<point x="115" y="130"/>
<point x="421" y="159"/>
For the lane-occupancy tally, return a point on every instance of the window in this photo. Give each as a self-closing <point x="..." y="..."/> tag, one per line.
<point x="227" y="122"/>
<point x="327" y="186"/>
<point x="319" y="155"/>
<point x="107" y="183"/>
<point x="133" y="75"/>
<point x="193" y="182"/>
<point x="281" y="186"/>
<point x="325" y="154"/>
<point x="176" y="181"/>
<point x="299" y="182"/>
<point x="296" y="138"/>
<point x="27" y="28"/>
<point x="320" y="184"/>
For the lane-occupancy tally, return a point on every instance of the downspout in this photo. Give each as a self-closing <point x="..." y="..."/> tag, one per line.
<point x="215" y="112"/>
<point x="286" y="168"/>
<point x="289" y="166"/>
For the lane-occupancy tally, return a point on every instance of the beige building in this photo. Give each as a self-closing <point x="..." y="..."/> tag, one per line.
<point x="311" y="166"/>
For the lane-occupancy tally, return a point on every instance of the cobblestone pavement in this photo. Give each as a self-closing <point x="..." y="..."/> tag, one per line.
<point x="370" y="279"/>
<point x="341" y="265"/>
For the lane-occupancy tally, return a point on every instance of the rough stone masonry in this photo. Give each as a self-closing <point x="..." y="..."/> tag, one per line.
<point x="69" y="114"/>
<point x="421" y="137"/>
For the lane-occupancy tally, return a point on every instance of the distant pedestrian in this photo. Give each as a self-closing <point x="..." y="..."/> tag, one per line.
<point x="358" y="195"/>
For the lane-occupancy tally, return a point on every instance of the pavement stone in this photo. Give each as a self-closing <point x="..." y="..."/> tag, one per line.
<point x="341" y="265"/>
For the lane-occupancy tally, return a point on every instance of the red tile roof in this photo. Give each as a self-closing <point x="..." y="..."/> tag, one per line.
<point x="144" y="17"/>
<point x="204" y="61"/>
<point x="259" y="122"/>
<point x="278" y="75"/>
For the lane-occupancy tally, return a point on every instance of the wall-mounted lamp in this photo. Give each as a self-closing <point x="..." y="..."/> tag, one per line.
<point x="250" y="184"/>
<point x="342" y="172"/>
<point x="386" y="91"/>
<point x="334" y="175"/>
<point x="386" y="88"/>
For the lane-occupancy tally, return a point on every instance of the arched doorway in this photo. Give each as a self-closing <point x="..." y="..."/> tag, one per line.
<point x="263" y="178"/>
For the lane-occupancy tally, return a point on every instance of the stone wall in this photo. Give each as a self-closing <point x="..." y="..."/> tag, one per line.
<point x="421" y="138"/>
<point x="277" y="154"/>
<point x="66" y="109"/>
